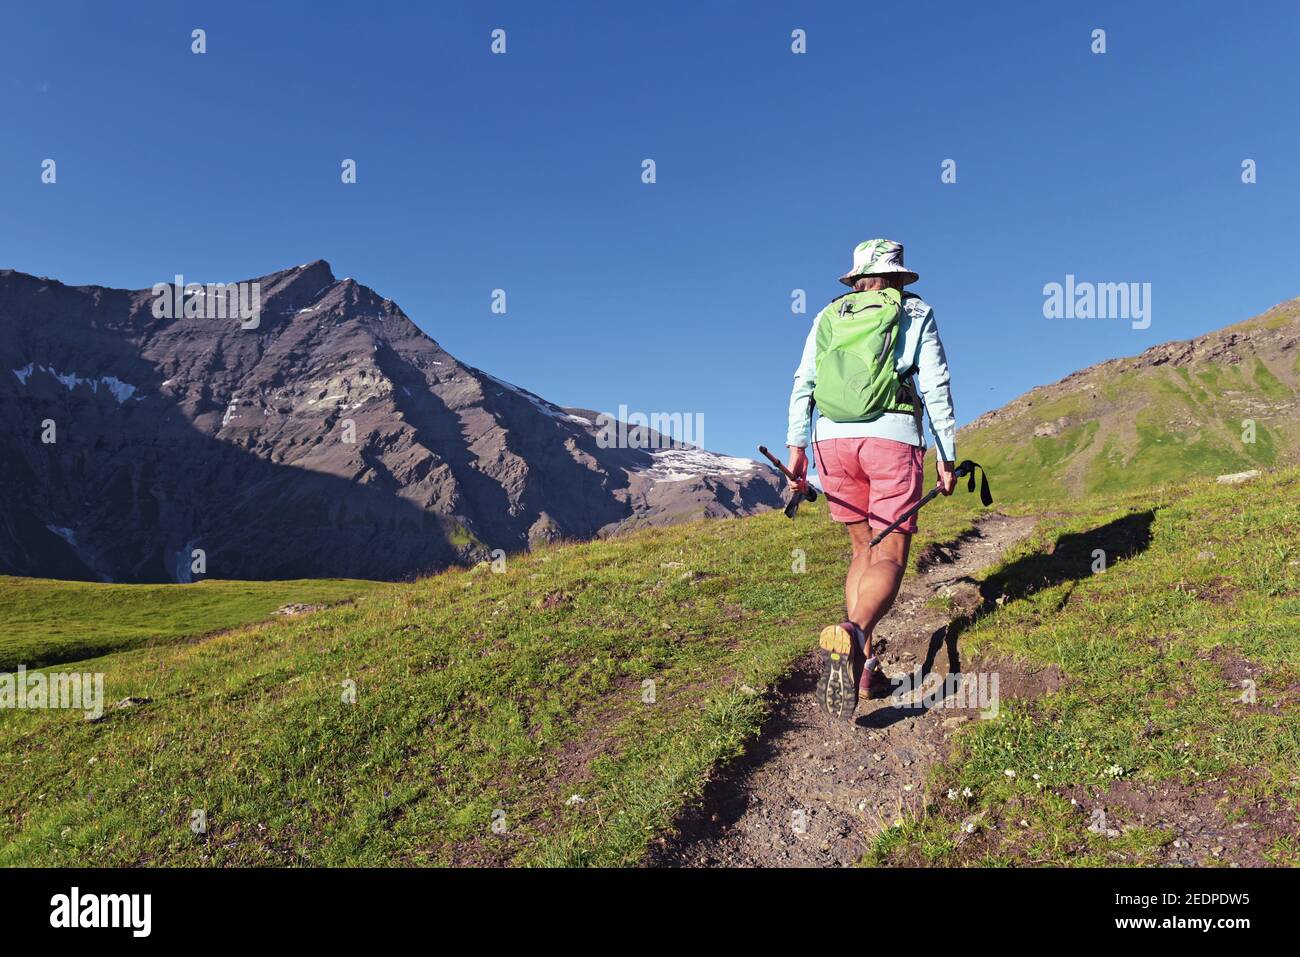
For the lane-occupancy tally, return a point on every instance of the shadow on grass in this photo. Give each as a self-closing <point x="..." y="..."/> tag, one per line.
<point x="1070" y="558"/>
<point x="730" y="790"/>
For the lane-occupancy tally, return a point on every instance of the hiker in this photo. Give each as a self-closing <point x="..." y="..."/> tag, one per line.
<point x="872" y="358"/>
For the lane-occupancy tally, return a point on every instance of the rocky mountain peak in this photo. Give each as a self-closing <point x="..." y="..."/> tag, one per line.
<point x="330" y="438"/>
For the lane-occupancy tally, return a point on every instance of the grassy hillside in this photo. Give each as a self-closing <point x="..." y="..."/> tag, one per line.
<point x="518" y="698"/>
<point x="1154" y="723"/>
<point x="475" y="692"/>
<point x="1172" y="413"/>
<point x="44" y="622"/>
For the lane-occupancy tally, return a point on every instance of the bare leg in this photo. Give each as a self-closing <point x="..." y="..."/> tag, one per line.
<point x="874" y="576"/>
<point x="859" y="535"/>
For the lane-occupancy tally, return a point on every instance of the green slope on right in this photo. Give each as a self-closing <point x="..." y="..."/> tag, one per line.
<point x="1169" y="734"/>
<point x="1223" y="402"/>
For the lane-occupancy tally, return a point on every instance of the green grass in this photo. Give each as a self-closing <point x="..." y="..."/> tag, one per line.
<point x="1147" y="698"/>
<point x="1136" y="426"/>
<point x="44" y="622"/>
<point x="482" y="696"/>
<point x="476" y="692"/>
<point x="1176" y="435"/>
<point x="1267" y="383"/>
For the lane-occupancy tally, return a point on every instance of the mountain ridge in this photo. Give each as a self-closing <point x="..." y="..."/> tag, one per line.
<point x="1216" y="402"/>
<point x="446" y="463"/>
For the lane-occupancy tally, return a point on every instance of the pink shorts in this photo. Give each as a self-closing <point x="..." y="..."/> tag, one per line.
<point x="873" y="480"/>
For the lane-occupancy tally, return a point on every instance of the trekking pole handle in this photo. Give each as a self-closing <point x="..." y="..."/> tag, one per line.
<point x="809" y="492"/>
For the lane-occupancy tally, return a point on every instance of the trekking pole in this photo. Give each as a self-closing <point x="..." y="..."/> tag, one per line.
<point x="967" y="467"/>
<point x="809" y="493"/>
<point x="797" y="496"/>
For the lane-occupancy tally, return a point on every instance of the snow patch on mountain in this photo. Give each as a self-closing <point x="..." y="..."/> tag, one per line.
<point x="67" y="534"/>
<point x="232" y="412"/>
<point x="121" y="391"/>
<point x="540" y="404"/>
<point x="680" y="465"/>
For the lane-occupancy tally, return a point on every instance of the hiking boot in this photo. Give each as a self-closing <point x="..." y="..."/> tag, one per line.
<point x="841" y="659"/>
<point x="874" y="684"/>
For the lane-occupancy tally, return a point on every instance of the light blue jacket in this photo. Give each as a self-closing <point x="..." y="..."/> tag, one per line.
<point x="918" y="347"/>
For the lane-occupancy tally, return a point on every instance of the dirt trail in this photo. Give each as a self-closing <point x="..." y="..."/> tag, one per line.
<point x="813" y="793"/>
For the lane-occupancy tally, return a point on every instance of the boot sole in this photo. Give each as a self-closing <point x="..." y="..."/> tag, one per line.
<point x="837" y="689"/>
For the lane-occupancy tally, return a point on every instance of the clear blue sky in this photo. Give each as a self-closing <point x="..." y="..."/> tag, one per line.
<point x="523" y="171"/>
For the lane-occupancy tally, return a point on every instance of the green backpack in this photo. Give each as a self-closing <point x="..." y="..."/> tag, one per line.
<point x="856" y="378"/>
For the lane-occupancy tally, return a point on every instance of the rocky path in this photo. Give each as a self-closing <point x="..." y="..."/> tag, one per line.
<point x="813" y="793"/>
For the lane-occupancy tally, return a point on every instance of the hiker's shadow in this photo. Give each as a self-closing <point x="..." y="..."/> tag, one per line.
<point x="1071" y="558"/>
